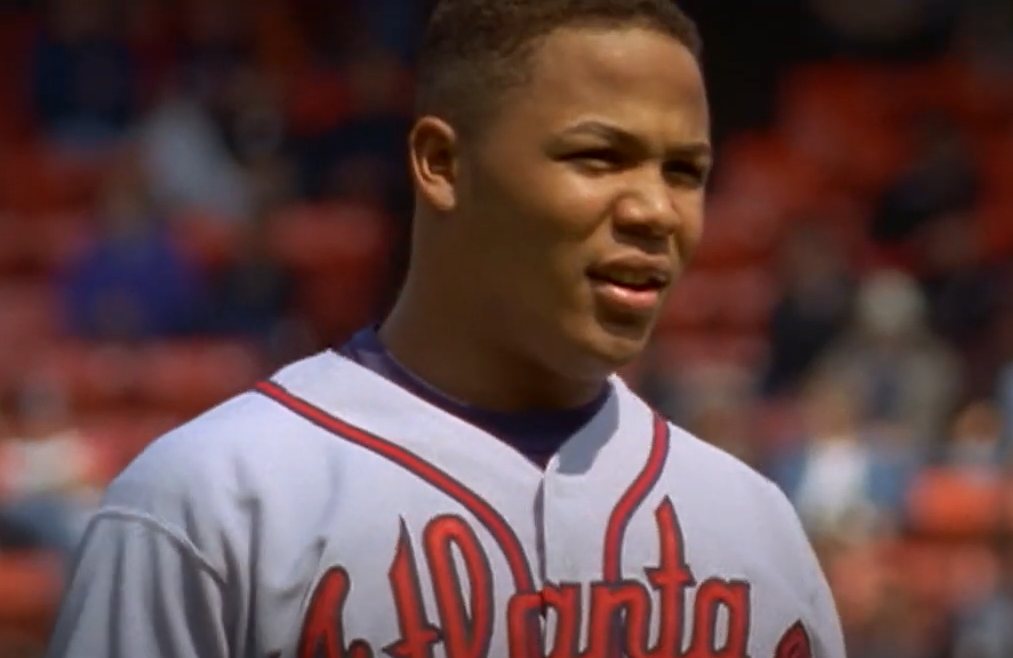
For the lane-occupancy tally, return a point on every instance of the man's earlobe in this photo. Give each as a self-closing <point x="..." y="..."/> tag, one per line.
<point x="433" y="154"/>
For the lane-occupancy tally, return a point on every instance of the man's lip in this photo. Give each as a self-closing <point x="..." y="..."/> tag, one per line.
<point x="656" y="271"/>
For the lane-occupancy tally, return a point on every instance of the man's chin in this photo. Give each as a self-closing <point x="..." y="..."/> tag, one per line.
<point x="619" y="344"/>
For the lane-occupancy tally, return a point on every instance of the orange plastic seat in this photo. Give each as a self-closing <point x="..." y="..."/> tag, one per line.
<point x="947" y="503"/>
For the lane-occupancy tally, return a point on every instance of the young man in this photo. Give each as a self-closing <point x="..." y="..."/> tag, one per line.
<point x="471" y="480"/>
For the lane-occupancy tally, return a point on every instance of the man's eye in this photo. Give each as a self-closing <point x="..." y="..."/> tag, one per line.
<point x="598" y="158"/>
<point x="685" y="171"/>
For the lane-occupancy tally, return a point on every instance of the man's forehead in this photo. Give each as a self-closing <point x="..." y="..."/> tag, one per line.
<point x="620" y="72"/>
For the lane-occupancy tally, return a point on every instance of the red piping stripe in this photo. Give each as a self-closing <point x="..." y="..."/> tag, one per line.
<point x="487" y="516"/>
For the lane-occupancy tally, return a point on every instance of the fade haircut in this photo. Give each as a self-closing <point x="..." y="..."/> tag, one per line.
<point x="475" y="51"/>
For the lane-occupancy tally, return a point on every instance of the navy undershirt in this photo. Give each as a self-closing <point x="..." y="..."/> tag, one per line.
<point x="535" y="434"/>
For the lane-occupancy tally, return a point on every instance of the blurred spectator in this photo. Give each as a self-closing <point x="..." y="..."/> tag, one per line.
<point x="982" y="626"/>
<point x="975" y="442"/>
<point x="189" y="164"/>
<point x="216" y="42"/>
<point x="963" y="292"/>
<point x="374" y="128"/>
<point x="253" y="294"/>
<point x="133" y="282"/>
<point x="988" y="32"/>
<point x="716" y="402"/>
<point x="886" y="29"/>
<point x="83" y="75"/>
<point x="814" y="308"/>
<point x="845" y="481"/>
<point x="222" y="156"/>
<point x="394" y="24"/>
<point x="940" y="179"/>
<point x="904" y="376"/>
<point x="1004" y="380"/>
<point x="49" y="475"/>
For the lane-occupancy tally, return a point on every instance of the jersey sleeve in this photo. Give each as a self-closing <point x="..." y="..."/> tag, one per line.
<point x="138" y="588"/>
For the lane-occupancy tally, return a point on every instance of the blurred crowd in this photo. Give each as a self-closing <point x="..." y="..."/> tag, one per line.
<point x="192" y="193"/>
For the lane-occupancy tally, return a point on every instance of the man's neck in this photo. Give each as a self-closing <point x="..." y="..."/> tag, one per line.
<point x="460" y="360"/>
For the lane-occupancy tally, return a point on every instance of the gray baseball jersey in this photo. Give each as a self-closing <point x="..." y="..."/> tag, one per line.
<point x="331" y="513"/>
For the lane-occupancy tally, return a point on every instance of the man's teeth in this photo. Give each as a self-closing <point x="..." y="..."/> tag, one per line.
<point x="630" y="279"/>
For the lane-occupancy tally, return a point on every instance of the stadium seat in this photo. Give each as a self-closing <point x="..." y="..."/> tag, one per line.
<point x="188" y="377"/>
<point x="34" y="180"/>
<point x="209" y="240"/>
<point x="693" y="303"/>
<point x="778" y="181"/>
<point x="976" y="94"/>
<point x="119" y="435"/>
<point x="27" y="323"/>
<point x="335" y="237"/>
<point x="945" y="502"/>
<point x="93" y="376"/>
<point x="30" y="589"/>
<point x="844" y="118"/>
<point x="57" y="238"/>
<point x="746" y="298"/>
<point x="944" y="574"/>
<point x="16" y="251"/>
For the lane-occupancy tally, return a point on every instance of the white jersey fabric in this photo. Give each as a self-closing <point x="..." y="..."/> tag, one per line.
<point x="330" y="513"/>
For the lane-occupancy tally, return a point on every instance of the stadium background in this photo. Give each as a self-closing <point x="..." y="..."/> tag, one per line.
<point x="194" y="192"/>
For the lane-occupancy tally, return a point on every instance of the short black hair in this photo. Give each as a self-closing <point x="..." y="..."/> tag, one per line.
<point x="474" y="50"/>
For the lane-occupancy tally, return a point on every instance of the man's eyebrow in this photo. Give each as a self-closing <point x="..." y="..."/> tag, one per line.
<point x="696" y="150"/>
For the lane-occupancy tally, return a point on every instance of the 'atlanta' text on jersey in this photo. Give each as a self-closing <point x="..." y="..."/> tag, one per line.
<point x="619" y="618"/>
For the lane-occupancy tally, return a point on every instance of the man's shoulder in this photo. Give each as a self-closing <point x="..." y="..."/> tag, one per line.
<point x="692" y="459"/>
<point x="717" y="466"/>
<point x="243" y="446"/>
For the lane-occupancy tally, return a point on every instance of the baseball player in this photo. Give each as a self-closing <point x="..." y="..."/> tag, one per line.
<point x="469" y="479"/>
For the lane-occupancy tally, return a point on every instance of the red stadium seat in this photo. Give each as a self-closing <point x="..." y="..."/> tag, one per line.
<point x="339" y="253"/>
<point x="947" y="503"/>
<point x="845" y="118"/>
<point x="778" y="181"/>
<point x="119" y="435"/>
<point x="973" y="93"/>
<point x="994" y="221"/>
<point x="693" y="302"/>
<point x="334" y="237"/>
<point x="28" y="321"/>
<point x="187" y="377"/>
<point x="30" y="589"/>
<point x="210" y="240"/>
<point x="93" y="376"/>
<point x="746" y="297"/>
<point x="30" y="312"/>
<point x="943" y="574"/>
<point x="34" y="180"/>
<point x="16" y="252"/>
<point x="677" y="350"/>
<point x="57" y="239"/>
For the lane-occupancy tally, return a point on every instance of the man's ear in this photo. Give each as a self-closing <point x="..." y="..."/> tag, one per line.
<point x="433" y="151"/>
